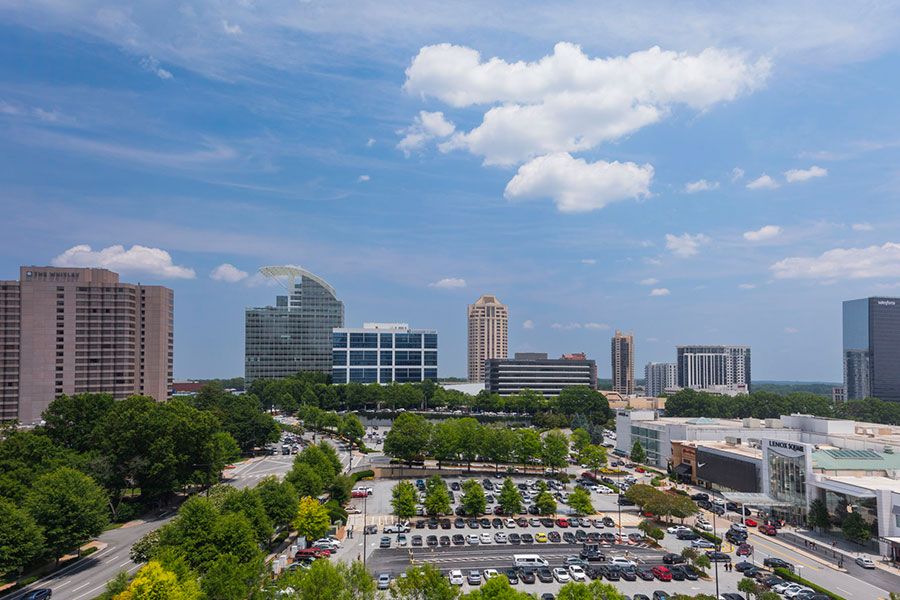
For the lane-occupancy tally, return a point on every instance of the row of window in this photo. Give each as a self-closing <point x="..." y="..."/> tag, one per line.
<point x="339" y="375"/>
<point x="369" y="358"/>
<point x="385" y="340"/>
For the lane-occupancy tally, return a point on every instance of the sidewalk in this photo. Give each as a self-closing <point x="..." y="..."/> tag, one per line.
<point x="832" y="546"/>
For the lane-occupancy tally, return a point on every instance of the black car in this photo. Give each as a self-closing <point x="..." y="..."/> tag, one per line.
<point x="431" y="540"/>
<point x="732" y="596"/>
<point x="39" y="594"/>
<point x="672" y="559"/>
<point x="623" y="501"/>
<point x="771" y="580"/>
<point x="613" y="573"/>
<point x="547" y="596"/>
<point x="607" y="521"/>
<point x="533" y="510"/>
<point x="444" y="540"/>
<point x="661" y="595"/>
<point x="645" y="573"/>
<point x="677" y="573"/>
<point x="512" y="575"/>
<point x="417" y="540"/>
<point x="460" y="511"/>
<point x="497" y="523"/>
<point x="629" y="573"/>
<point x="455" y="486"/>
<point x="700" y="496"/>
<point x="777" y="563"/>
<point x="527" y="576"/>
<point x="689" y="572"/>
<point x="736" y="537"/>
<point x="705" y="504"/>
<point x="719" y="510"/>
<point x="568" y="537"/>
<point x="514" y="538"/>
<point x="420" y="524"/>
<point x="581" y="536"/>
<point x="715" y="556"/>
<point x="592" y="554"/>
<point x="433" y="524"/>
<point x="593" y="537"/>
<point x="554" y="537"/>
<point x="473" y="524"/>
<point x="458" y="540"/>
<point x="527" y="538"/>
<point x="607" y="538"/>
<point x="485" y="523"/>
<point x="743" y="566"/>
<point x="640" y="597"/>
<point x="687" y="535"/>
<point x="545" y="575"/>
<point x="459" y="523"/>
<point x="547" y="522"/>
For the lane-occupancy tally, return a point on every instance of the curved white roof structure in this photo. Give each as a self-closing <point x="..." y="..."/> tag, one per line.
<point x="292" y="272"/>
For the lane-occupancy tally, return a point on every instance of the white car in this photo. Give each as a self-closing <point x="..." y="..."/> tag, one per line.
<point x="401" y="539"/>
<point x="793" y="592"/>
<point x="701" y="543"/>
<point x="472" y="539"/>
<point x="384" y="581"/>
<point x="784" y="588"/>
<point x="739" y="527"/>
<point x="500" y="537"/>
<point x="561" y="575"/>
<point x="703" y="526"/>
<point x="328" y="540"/>
<point x="577" y="573"/>
<point x="620" y="561"/>
<point x="865" y="562"/>
<point x="676" y="528"/>
<point x="490" y="574"/>
<point x="510" y="523"/>
<point x="485" y="538"/>
<point x="456" y="577"/>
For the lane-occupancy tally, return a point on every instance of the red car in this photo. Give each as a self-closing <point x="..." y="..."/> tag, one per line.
<point x="768" y="529"/>
<point x="750" y="522"/>
<point x="641" y="470"/>
<point x="358" y="494"/>
<point x="745" y="550"/>
<point x="562" y="522"/>
<point x="662" y="573"/>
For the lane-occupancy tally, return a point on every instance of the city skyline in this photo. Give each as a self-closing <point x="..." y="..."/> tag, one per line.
<point x="368" y="145"/>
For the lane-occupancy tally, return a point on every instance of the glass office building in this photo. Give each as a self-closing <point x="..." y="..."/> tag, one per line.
<point x="295" y="334"/>
<point x="384" y="353"/>
<point x="871" y="348"/>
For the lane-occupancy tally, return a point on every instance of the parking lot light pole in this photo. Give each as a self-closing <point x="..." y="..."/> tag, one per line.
<point x="365" y="528"/>
<point x="718" y="548"/>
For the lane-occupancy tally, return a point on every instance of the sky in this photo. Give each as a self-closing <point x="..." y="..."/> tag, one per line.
<point x="711" y="172"/>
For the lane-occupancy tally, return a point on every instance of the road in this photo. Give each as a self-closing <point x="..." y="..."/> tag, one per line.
<point x="87" y="577"/>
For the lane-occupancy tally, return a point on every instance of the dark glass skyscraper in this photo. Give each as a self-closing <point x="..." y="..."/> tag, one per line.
<point x="295" y="334"/>
<point x="871" y="352"/>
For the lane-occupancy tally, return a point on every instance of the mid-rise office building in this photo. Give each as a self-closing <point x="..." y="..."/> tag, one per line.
<point x="535" y="372"/>
<point x="294" y="335"/>
<point x="660" y="377"/>
<point x="488" y="334"/>
<point x="871" y="352"/>
<point x="384" y="353"/>
<point x="622" y="358"/>
<point x="718" y="369"/>
<point x="77" y="330"/>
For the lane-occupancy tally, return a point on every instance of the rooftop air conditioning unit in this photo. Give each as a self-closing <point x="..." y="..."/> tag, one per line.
<point x="774" y="424"/>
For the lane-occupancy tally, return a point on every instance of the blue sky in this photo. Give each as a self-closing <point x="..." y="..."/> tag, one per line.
<point x="596" y="166"/>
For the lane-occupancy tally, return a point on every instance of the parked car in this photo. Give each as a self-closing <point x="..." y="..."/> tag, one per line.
<point x="778" y="563"/>
<point x="474" y="578"/>
<point x="662" y="573"/>
<point x="385" y="542"/>
<point x="672" y="559"/>
<point x="561" y="575"/>
<point x="701" y="543"/>
<point x="865" y="562"/>
<point x="545" y="575"/>
<point x="456" y="577"/>
<point x="767" y="529"/>
<point x="384" y="581"/>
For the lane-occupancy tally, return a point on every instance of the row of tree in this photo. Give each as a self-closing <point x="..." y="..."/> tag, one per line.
<point x="770" y="405"/>
<point x="347" y="426"/>
<point x="661" y="504"/>
<point x="313" y="389"/>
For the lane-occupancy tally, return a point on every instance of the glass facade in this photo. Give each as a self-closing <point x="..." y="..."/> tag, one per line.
<point x="871" y="348"/>
<point x="649" y="439"/>
<point x="294" y="335"/>
<point x="388" y="355"/>
<point x="787" y="478"/>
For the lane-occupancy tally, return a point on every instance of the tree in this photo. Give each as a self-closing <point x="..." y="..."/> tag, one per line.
<point x="855" y="528"/>
<point x="689" y="554"/>
<point x="596" y="590"/>
<point x="312" y="520"/>
<point x="352" y="428"/>
<point x="408" y="438"/>
<point x="249" y="503"/>
<point x="444" y="443"/>
<point x="818" y="517"/>
<point x="424" y="582"/>
<point x="555" y="449"/>
<point x="21" y="540"/>
<point x="545" y="503"/>
<point x="340" y="488"/>
<point x="305" y="480"/>
<point x="227" y="578"/>
<point x="528" y="447"/>
<point x="470" y="439"/>
<point x="593" y="456"/>
<point x="71" y="508"/>
<point x="496" y="588"/>
<point x="580" y="502"/>
<point x="748" y="586"/>
<point x="404" y="499"/>
<point x="510" y="498"/>
<point x="473" y="500"/>
<point x="327" y="580"/>
<point x="638" y="454"/>
<point x="153" y="582"/>
<point x="279" y="499"/>
<point x="702" y="562"/>
<point x="437" y="499"/>
<point x="580" y="439"/>
<point x="583" y="400"/>
<point x="70" y="420"/>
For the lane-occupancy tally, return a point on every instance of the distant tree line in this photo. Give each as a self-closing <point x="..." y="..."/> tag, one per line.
<point x="313" y="389"/>
<point x="769" y="405"/>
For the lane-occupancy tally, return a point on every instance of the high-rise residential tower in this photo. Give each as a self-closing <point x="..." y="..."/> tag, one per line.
<point x="720" y="369"/>
<point x="488" y="334"/>
<point x="295" y="334"/>
<point x="76" y="330"/>
<point x="622" y="358"/>
<point x="659" y="377"/>
<point x="871" y="352"/>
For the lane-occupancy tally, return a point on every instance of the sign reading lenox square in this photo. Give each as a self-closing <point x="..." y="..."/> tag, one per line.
<point x="792" y="448"/>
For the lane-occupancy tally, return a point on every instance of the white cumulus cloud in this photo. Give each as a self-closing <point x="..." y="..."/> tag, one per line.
<point x="568" y="101"/>
<point x="363" y="178"/>
<point x="660" y="292"/>
<point x="685" y="244"/>
<point x="747" y="286"/>
<point x="449" y="283"/>
<point x="228" y="273"/>
<point x="370" y="142"/>
<point x="737" y="173"/>
<point x="528" y="324"/>
<point x="843" y="263"/>
<point x="862" y="227"/>
<point x="139" y="260"/>
<point x="596" y="326"/>
<point x="799" y="175"/>
<point x="231" y="29"/>
<point x="767" y="232"/>
<point x="576" y="185"/>
<point x="649" y="281"/>
<point x="701" y="185"/>
<point x="425" y="127"/>
<point x="589" y="261"/>
<point x="763" y="182"/>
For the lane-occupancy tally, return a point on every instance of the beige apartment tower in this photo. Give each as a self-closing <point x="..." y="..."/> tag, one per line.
<point x="69" y="331"/>
<point x="622" y="358"/>
<point x="488" y="334"/>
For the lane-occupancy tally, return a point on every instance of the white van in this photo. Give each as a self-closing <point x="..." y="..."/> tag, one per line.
<point x="529" y="560"/>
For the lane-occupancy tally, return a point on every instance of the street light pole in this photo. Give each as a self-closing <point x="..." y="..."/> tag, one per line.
<point x="619" y="504"/>
<point x="718" y="549"/>
<point x="365" y="528"/>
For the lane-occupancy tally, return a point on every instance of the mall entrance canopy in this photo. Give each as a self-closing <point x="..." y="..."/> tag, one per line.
<point x="755" y="500"/>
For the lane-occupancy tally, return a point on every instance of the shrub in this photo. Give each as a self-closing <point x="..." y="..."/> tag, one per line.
<point x="706" y="535"/>
<point x="367" y="474"/>
<point x="88" y="551"/>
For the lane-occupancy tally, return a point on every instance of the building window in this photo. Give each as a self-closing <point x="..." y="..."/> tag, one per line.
<point x="339" y="358"/>
<point x="387" y="358"/>
<point x="363" y="375"/>
<point x="431" y="340"/>
<point x="360" y="358"/>
<point x="387" y="340"/>
<point x="339" y="340"/>
<point x="431" y="374"/>
<point x="387" y="376"/>
<point x="408" y="340"/>
<point x="431" y="359"/>
<point x="339" y="376"/>
<point x="363" y="340"/>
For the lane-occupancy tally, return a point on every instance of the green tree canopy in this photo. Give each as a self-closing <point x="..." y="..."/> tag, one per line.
<point x="510" y="498"/>
<point x="818" y="517"/>
<point x="21" y="540"/>
<point x="404" y="498"/>
<point x="279" y="499"/>
<point x="70" y="420"/>
<point x="555" y="449"/>
<point x="580" y="502"/>
<point x="408" y="438"/>
<point x="545" y="503"/>
<point x="473" y="499"/>
<point x="437" y="498"/>
<point x="424" y="582"/>
<point x="312" y="520"/>
<point x="153" y="582"/>
<point x="638" y="454"/>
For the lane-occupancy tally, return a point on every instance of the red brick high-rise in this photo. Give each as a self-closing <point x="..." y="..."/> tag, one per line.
<point x="74" y="330"/>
